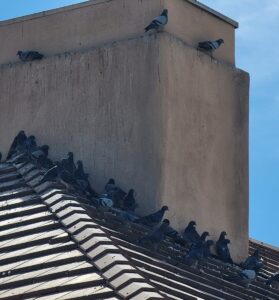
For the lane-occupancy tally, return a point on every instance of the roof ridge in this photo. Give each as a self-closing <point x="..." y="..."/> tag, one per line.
<point x="123" y="276"/>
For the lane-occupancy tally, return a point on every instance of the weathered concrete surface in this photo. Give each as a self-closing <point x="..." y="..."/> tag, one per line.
<point x="153" y="113"/>
<point x="97" y="22"/>
<point x="205" y="157"/>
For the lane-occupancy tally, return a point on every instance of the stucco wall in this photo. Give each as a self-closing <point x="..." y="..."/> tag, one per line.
<point x="97" y="22"/>
<point x="153" y="113"/>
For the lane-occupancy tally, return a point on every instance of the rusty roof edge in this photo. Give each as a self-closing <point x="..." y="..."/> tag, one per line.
<point x="84" y="230"/>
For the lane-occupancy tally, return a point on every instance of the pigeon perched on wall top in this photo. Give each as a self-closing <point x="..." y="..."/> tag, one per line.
<point x="29" y="55"/>
<point x="153" y="219"/>
<point x="159" y="21"/>
<point x="273" y="281"/>
<point x="222" y="248"/>
<point x="210" y="45"/>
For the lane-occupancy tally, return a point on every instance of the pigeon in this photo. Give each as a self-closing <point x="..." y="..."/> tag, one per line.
<point x="253" y="262"/>
<point x="210" y="45"/>
<point x="244" y="278"/>
<point x="0" y="156"/>
<point x="68" y="164"/>
<point x="206" y="250"/>
<point x="159" y="21"/>
<point x="79" y="172"/>
<point x="18" y="141"/>
<point x="30" y="145"/>
<point x="190" y="234"/>
<point x="110" y="186"/>
<point x="157" y="235"/>
<point x="222" y="248"/>
<point x="29" y="55"/>
<point x="273" y="281"/>
<point x="129" y="202"/>
<point x="153" y="219"/>
<point x="40" y="151"/>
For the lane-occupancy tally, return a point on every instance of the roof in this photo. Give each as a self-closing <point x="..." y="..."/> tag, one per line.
<point x="94" y="2"/>
<point x="55" y="245"/>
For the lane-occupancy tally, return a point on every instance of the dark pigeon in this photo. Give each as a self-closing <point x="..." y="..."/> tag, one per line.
<point x="273" y="281"/>
<point x="40" y="151"/>
<point x="129" y="201"/>
<point x="210" y="45"/>
<point x="206" y="250"/>
<point x="253" y="262"/>
<point x="110" y="186"/>
<point x="18" y="141"/>
<point x="159" y="21"/>
<point x="26" y="56"/>
<point x="244" y="278"/>
<point x="190" y="234"/>
<point x="79" y="172"/>
<point x="30" y="144"/>
<point x="157" y="235"/>
<point x="153" y="219"/>
<point x="222" y="248"/>
<point x="0" y="156"/>
<point x="67" y="164"/>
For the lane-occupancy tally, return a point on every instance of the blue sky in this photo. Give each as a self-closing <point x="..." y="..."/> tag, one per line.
<point x="257" y="44"/>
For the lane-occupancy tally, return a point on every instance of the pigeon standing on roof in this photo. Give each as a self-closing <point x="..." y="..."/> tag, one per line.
<point x="158" y="22"/>
<point x="110" y="186"/>
<point x="129" y="201"/>
<point x="206" y="250"/>
<point x="210" y="45"/>
<point x="68" y="164"/>
<point x="157" y="235"/>
<point x="79" y="172"/>
<point x="26" y="56"/>
<point x="222" y="248"/>
<point x="18" y="141"/>
<point x="273" y="281"/>
<point x="153" y="219"/>
<point x="253" y="262"/>
<point x="244" y="278"/>
<point x="190" y="234"/>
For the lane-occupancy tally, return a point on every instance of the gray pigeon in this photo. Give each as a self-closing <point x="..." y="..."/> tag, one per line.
<point x="244" y="278"/>
<point x="253" y="262"/>
<point x="210" y="45"/>
<point x="157" y="235"/>
<point x="158" y="22"/>
<point x="273" y="281"/>
<point x="29" y="55"/>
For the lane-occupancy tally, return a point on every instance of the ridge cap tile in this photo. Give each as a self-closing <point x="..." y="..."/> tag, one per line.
<point x="85" y="231"/>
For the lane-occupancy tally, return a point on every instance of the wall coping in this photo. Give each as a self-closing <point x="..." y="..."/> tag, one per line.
<point x="97" y="2"/>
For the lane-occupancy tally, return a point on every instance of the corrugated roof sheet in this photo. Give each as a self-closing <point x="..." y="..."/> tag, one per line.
<point x="56" y="246"/>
